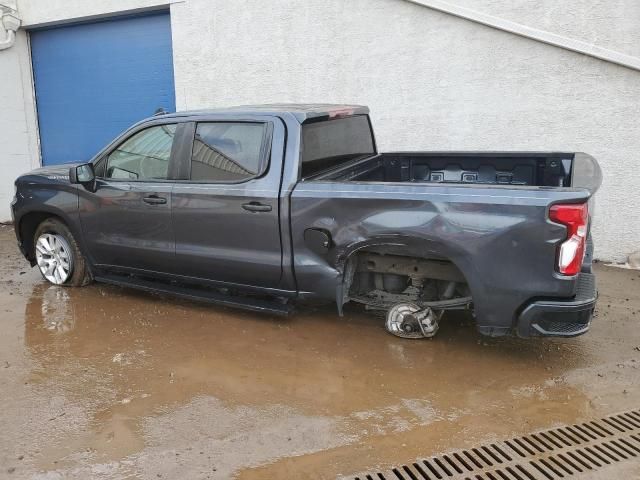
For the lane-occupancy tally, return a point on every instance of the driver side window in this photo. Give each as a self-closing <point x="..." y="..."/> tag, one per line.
<point x="144" y="156"/>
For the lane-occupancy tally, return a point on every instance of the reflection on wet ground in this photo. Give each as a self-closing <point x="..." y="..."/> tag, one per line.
<point x="107" y="382"/>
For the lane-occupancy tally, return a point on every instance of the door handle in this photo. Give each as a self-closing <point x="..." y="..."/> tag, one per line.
<point x="256" y="207"/>
<point x="154" y="200"/>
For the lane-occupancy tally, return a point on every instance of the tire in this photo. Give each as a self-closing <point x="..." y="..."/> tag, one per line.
<point x="58" y="246"/>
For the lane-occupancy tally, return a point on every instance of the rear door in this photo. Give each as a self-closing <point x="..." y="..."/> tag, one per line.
<point x="126" y="221"/>
<point x="226" y="214"/>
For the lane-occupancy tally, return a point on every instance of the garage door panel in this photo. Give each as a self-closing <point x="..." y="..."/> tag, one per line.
<point x="94" y="80"/>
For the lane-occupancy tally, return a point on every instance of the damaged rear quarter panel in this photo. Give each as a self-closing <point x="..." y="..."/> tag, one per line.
<point x="499" y="238"/>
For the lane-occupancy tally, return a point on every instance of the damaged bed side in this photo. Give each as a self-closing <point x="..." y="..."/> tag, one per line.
<point x="417" y="250"/>
<point x="413" y="293"/>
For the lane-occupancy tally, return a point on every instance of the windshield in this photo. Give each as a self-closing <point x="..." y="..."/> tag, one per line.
<point x="329" y="143"/>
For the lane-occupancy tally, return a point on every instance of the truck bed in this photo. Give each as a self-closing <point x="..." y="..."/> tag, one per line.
<point x="485" y="215"/>
<point x="491" y="168"/>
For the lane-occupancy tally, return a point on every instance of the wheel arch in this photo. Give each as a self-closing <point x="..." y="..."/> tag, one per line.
<point x="402" y="245"/>
<point x="410" y="246"/>
<point x="28" y="223"/>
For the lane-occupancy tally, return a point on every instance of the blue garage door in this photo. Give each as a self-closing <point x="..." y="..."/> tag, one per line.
<point x="94" y="80"/>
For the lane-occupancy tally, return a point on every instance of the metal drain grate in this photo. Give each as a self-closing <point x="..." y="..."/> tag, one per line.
<point x="546" y="455"/>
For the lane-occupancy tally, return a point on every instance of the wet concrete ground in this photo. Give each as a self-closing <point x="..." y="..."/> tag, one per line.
<point x="104" y="382"/>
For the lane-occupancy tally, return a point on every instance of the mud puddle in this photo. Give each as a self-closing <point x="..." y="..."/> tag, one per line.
<point x="104" y="382"/>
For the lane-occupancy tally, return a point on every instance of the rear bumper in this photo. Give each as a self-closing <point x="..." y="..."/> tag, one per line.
<point x="561" y="318"/>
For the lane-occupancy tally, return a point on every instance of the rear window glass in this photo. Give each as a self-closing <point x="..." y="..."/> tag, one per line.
<point x="329" y="143"/>
<point x="224" y="152"/>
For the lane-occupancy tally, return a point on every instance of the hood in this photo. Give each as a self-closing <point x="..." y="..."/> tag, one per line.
<point x="52" y="172"/>
<point x="62" y="169"/>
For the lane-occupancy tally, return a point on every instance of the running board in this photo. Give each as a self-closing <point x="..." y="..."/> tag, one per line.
<point x="208" y="296"/>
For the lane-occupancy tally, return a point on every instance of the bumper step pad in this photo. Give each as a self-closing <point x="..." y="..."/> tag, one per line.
<point x="561" y="317"/>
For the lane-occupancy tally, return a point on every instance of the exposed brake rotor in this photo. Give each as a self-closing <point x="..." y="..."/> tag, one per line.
<point x="408" y="320"/>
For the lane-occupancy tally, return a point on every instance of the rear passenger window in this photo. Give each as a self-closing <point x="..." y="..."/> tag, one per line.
<point x="228" y="152"/>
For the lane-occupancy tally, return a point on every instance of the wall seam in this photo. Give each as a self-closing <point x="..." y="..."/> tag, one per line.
<point x="35" y="157"/>
<point x="573" y="45"/>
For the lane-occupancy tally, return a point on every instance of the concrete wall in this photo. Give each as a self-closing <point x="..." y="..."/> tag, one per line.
<point x="18" y="138"/>
<point x="19" y="148"/>
<point x="433" y="81"/>
<point x="613" y="25"/>
<point x="46" y="12"/>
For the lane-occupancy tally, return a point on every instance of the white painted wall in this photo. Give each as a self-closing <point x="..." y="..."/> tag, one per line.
<point x="19" y="148"/>
<point x="45" y="12"/>
<point x="432" y="81"/>
<point x="613" y="25"/>
<point x="18" y="139"/>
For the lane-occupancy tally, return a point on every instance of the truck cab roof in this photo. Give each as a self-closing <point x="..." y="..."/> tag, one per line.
<point x="301" y="111"/>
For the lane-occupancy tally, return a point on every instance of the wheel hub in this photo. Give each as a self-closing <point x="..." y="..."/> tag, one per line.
<point x="54" y="258"/>
<point x="408" y="320"/>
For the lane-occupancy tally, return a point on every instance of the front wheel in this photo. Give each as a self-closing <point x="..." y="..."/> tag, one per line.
<point x="58" y="256"/>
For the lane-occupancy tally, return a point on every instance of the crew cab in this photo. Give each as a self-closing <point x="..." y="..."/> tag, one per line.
<point x="269" y="207"/>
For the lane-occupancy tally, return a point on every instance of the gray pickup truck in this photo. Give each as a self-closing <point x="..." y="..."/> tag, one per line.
<point x="266" y="207"/>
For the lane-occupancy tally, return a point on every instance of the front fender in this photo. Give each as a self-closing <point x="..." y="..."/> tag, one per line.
<point x="35" y="202"/>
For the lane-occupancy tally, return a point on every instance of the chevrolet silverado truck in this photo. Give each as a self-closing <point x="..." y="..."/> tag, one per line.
<point x="268" y="207"/>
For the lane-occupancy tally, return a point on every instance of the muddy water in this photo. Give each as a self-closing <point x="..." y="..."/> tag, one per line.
<point x="110" y="383"/>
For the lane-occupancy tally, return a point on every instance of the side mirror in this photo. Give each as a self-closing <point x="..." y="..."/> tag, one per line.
<point x="82" y="174"/>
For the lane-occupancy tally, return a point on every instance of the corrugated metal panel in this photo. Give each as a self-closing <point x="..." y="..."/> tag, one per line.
<point x="94" y="80"/>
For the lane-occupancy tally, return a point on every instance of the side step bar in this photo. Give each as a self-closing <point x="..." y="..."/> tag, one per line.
<point x="208" y="296"/>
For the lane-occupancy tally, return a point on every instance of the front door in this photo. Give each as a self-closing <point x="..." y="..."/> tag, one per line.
<point x="126" y="221"/>
<point x="226" y="215"/>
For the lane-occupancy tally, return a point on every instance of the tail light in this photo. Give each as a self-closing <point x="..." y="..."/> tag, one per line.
<point x="571" y="252"/>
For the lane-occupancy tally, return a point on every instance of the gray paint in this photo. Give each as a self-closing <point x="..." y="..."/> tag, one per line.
<point x="498" y="236"/>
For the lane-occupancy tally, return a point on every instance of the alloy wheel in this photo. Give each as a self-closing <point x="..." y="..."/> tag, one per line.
<point x="54" y="258"/>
